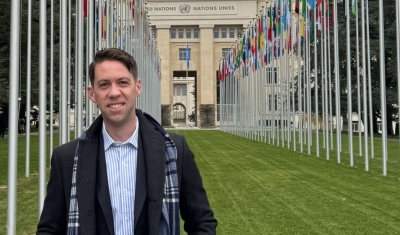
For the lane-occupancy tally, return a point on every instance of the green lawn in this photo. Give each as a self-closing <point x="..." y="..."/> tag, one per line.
<point x="256" y="188"/>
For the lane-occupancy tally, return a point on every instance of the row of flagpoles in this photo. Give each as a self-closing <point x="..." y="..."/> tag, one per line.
<point x="268" y="76"/>
<point x="98" y="24"/>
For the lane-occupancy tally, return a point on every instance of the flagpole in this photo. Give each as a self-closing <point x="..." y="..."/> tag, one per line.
<point x="383" y="87"/>
<point x="337" y="83"/>
<point x="13" y="117"/>
<point x="68" y="75"/>
<point x="349" y="88"/>
<point x="42" y="103"/>
<point x="371" y="127"/>
<point x="398" y="50"/>
<point x="330" y="81"/>
<point x="51" y="79"/>
<point x="316" y="81"/>
<point x="327" y="86"/>
<point x="63" y="78"/>
<point x="364" y="69"/>
<point x="28" y="84"/>
<point x="358" y="84"/>
<point x="299" y="81"/>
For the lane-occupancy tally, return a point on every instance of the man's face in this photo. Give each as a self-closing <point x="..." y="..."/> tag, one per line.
<point x="115" y="90"/>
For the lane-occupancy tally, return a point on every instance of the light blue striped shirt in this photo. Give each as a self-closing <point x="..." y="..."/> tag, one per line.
<point x="121" y="160"/>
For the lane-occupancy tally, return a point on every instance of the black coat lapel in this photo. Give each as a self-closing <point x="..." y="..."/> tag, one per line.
<point x="154" y="152"/>
<point x="103" y="192"/>
<point x="85" y="184"/>
<point x="141" y="182"/>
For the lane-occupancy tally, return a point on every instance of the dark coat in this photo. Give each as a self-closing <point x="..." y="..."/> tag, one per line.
<point x="94" y="202"/>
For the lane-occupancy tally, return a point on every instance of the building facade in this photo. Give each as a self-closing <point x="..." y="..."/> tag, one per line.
<point x="206" y="29"/>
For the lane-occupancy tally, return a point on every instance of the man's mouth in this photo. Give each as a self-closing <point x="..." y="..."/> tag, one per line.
<point x="115" y="106"/>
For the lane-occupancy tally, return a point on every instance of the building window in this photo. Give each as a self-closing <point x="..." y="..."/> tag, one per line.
<point x="173" y="33"/>
<point x="184" y="90"/>
<point x="271" y="76"/>
<point x="225" y="50"/>
<point x="231" y="32"/>
<point x="195" y="33"/>
<point x="182" y="53"/>
<point x="223" y="33"/>
<point x="180" y="90"/>
<point x="180" y="33"/>
<point x="177" y="90"/>
<point x="216" y="33"/>
<point x="188" y="33"/>
<point x="239" y="32"/>
<point x="270" y="104"/>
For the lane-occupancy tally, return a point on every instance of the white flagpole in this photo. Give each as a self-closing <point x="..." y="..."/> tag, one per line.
<point x="13" y="118"/>
<point x="299" y="88"/>
<point x="398" y="49"/>
<point x="79" y="54"/>
<point x="337" y="83"/>
<point x="308" y="74"/>
<point x="63" y="78"/>
<point x="330" y="81"/>
<point x="327" y="86"/>
<point x="383" y="87"/>
<point x="369" y="82"/>
<point x="42" y="103"/>
<point x="68" y="75"/>
<point x="90" y="35"/>
<point x="28" y="84"/>
<point x="349" y="88"/>
<point x="364" y="69"/>
<point x="51" y="80"/>
<point x="358" y="85"/>
<point x="316" y="80"/>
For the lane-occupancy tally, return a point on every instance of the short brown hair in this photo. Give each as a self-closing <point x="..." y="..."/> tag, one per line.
<point x="116" y="55"/>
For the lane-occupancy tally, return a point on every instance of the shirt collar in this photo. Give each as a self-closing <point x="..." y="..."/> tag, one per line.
<point x="133" y="139"/>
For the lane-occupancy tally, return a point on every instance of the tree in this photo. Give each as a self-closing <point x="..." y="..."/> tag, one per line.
<point x="5" y="53"/>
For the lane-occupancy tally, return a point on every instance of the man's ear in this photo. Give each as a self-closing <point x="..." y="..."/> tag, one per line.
<point x="91" y="94"/>
<point x="138" y="86"/>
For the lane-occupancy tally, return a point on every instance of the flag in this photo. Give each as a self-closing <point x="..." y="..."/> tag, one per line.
<point x="104" y="20"/>
<point x="311" y="3"/>
<point x="84" y="9"/>
<point x="296" y="7"/>
<point x="304" y="9"/>
<point x="354" y="7"/>
<point x="319" y="16"/>
<point x="187" y="56"/>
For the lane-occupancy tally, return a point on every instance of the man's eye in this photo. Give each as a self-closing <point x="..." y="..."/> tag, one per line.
<point x="103" y="85"/>
<point x="123" y="82"/>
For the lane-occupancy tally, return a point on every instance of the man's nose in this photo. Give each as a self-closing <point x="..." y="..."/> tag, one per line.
<point x="114" y="91"/>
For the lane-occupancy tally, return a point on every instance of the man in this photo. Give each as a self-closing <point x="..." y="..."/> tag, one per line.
<point x="125" y="175"/>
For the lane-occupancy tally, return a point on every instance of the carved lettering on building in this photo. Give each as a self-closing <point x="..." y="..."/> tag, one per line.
<point x="185" y="8"/>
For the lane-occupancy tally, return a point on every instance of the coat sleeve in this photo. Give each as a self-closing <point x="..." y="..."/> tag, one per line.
<point x="194" y="206"/>
<point x="53" y="217"/>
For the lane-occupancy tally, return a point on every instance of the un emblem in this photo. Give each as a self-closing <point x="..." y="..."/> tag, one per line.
<point x="184" y="8"/>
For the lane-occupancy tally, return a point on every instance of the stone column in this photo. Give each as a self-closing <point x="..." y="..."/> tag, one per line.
<point x="163" y="43"/>
<point x="206" y="80"/>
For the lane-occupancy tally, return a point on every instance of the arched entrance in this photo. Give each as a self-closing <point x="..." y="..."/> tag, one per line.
<point x="179" y="113"/>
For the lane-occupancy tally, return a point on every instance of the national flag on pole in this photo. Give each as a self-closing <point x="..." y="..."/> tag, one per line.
<point x="296" y="7"/>
<point x="354" y="7"/>
<point x="187" y="56"/>
<point x="85" y="8"/>
<point x="311" y="3"/>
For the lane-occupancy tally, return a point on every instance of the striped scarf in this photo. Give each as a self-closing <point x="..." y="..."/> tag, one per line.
<point x="169" y="223"/>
